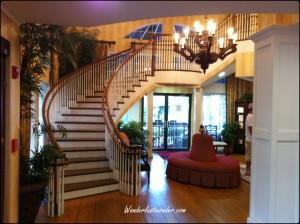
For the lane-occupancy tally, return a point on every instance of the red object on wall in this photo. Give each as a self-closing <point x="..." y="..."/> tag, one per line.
<point x="14" y="145"/>
<point x="15" y="72"/>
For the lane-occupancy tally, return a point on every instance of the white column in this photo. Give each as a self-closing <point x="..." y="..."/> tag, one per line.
<point x="274" y="196"/>
<point x="150" y="122"/>
<point x="198" y="109"/>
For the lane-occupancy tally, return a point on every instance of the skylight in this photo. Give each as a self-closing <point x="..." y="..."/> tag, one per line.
<point x="145" y="32"/>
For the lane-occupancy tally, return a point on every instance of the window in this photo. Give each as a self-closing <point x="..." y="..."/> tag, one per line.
<point x="214" y="105"/>
<point x="37" y="106"/>
<point x="179" y="29"/>
<point x="145" y="32"/>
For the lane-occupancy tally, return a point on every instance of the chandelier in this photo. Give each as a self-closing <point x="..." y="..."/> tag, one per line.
<point x="205" y="38"/>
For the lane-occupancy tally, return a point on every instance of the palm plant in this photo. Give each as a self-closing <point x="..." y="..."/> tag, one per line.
<point x="36" y="168"/>
<point x="38" y="43"/>
<point x="134" y="131"/>
<point x="77" y="49"/>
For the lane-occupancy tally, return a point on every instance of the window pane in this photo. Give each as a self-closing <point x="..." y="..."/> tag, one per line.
<point x="145" y="32"/>
<point x="214" y="110"/>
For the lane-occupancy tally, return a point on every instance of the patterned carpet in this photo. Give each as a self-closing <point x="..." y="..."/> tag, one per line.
<point x="165" y="154"/>
<point x="246" y="178"/>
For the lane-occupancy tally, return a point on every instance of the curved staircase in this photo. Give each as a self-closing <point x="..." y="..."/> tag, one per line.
<point x="90" y="101"/>
<point x="88" y="171"/>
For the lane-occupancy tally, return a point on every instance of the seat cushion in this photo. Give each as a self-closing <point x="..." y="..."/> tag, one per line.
<point x="202" y="148"/>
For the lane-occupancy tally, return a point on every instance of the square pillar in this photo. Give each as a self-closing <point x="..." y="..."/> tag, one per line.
<point x="274" y="196"/>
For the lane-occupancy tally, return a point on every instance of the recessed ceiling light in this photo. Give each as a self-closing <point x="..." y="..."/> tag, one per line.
<point x="221" y="74"/>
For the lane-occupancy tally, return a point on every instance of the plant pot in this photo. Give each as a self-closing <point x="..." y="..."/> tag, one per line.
<point x="228" y="150"/>
<point x="30" y="199"/>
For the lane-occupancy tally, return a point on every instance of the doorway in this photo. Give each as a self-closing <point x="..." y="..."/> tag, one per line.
<point x="5" y="47"/>
<point x="171" y="122"/>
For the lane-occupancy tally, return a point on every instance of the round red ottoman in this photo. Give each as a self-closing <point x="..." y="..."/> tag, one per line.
<point x="222" y="173"/>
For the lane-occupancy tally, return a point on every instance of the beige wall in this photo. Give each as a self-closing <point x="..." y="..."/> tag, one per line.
<point x="117" y="32"/>
<point x="265" y="20"/>
<point x="10" y="31"/>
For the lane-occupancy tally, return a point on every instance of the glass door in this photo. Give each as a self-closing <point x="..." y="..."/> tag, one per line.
<point x="171" y="121"/>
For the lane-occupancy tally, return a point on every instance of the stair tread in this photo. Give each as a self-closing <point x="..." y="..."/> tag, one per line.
<point x="89" y="184"/>
<point x="86" y="159"/>
<point x="80" y="122"/>
<point x="93" y="96"/>
<point x="79" y="139"/>
<point x="85" y="130"/>
<point x="83" y="115"/>
<point x="88" y="102"/>
<point x="87" y="171"/>
<point x="78" y="149"/>
<point x="85" y="108"/>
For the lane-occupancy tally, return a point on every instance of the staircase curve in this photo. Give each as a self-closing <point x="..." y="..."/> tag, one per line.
<point x="75" y="103"/>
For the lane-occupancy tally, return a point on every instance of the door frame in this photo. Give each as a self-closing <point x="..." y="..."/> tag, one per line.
<point x="5" y="49"/>
<point x="189" y="95"/>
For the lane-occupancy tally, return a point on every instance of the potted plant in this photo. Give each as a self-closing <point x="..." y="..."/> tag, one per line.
<point x="230" y="134"/>
<point x="134" y="131"/>
<point x="35" y="172"/>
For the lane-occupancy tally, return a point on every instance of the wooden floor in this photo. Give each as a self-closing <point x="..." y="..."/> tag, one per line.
<point x="166" y="201"/>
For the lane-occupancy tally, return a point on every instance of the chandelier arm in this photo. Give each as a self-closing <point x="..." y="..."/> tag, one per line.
<point x="224" y="52"/>
<point x="191" y="57"/>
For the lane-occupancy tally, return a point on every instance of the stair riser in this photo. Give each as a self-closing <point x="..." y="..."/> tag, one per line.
<point x="81" y="118"/>
<point x="90" y="191"/>
<point x="97" y="94"/>
<point x="87" y="165"/>
<point x="83" y="135"/>
<point x="88" y="177"/>
<point x="84" y="111"/>
<point x="93" y="99"/>
<point x="85" y="154"/>
<point x="89" y="99"/>
<point x="68" y="144"/>
<point x="87" y="105"/>
<point x="91" y="92"/>
<point x="82" y="126"/>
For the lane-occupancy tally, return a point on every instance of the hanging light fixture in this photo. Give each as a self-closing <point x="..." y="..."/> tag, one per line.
<point x="205" y="38"/>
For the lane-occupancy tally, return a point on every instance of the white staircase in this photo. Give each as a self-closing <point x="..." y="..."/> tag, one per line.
<point x="88" y="171"/>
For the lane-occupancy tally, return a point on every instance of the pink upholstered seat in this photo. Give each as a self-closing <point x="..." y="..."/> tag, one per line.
<point x="203" y="148"/>
<point x="202" y="167"/>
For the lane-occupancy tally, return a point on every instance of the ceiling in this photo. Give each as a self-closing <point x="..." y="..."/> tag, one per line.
<point x="96" y="13"/>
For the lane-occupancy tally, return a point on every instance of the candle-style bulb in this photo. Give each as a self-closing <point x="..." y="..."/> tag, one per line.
<point x="182" y="42"/>
<point x="221" y="42"/>
<point x="176" y="38"/>
<point x="230" y="32"/>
